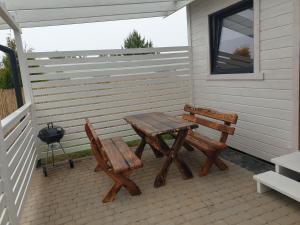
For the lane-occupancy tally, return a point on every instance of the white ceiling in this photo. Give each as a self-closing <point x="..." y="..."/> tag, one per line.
<point x="37" y="13"/>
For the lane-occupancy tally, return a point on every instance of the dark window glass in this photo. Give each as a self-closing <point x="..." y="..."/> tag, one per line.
<point x="231" y="39"/>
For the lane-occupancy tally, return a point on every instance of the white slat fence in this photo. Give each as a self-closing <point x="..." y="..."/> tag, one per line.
<point x="17" y="160"/>
<point x="106" y="86"/>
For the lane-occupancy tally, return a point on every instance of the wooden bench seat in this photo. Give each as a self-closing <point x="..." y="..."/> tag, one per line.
<point x="210" y="147"/>
<point x="205" y="142"/>
<point x="116" y="159"/>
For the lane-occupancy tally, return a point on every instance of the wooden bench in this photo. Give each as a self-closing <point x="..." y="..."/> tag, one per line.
<point x="116" y="159"/>
<point x="210" y="147"/>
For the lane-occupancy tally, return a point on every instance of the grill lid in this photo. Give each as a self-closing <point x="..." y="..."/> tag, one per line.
<point x="51" y="133"/>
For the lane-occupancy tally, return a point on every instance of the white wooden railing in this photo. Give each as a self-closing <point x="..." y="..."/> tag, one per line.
<point x="105" y="86"/>
<point x="17" y="159"/>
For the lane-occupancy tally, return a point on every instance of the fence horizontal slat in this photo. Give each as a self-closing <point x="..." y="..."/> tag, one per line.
<point x="4" y="219"/>
<point x="92" y="113"/>
<point x="93" y="80"/>
<point x="13" y="136"/>
<point x="106" y="84"/>
<point x="110" y="58"/>
<point x="110" y="72"/>
<point x="22" y="152"/>
<point x="104" y="52"/>
<point x="116" y="103"/>
<point x="18" y="172"/>
<point x="13" y="119"/>
<point x="11" y="151"/>
<point x="2" y="196"/>
<point x="108" y="99"/>
<point x="105" y="66"/>
<point x="160" y="85"/>
<point x="21" y="195"/>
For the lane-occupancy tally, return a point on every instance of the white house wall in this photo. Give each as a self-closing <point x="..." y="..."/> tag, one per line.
<point x="266" y="108"/>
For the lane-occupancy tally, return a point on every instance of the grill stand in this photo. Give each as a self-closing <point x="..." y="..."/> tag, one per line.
<point x="51" y="148"/>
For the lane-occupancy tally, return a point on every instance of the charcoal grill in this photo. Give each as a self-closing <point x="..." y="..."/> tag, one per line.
<point x="52" y="135"/>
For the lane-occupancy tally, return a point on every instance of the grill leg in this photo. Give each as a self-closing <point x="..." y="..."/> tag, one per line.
<point x="47" y="156"/>
<point x="52" y="155"/>
<point x="66" y="156"/>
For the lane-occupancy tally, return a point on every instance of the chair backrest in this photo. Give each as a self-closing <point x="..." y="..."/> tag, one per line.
<point x="95" y="144"/>
<point x="225" y="127"/>
<point x="91" y="133"/>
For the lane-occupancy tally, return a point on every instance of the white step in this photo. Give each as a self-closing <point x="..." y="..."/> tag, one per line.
<point x="278" y="182"/>
<point x="290" y="161"/>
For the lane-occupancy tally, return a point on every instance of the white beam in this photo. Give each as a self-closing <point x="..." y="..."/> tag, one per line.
<point x="8" y="18"/>
<point x="55" y="4"/>
<point x="180" y="5"/>
<point x="85" y="12"/>
<point x="89" y="20"/>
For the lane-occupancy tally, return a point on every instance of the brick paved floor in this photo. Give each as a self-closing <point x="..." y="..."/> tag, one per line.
<point x="73" y="197"/>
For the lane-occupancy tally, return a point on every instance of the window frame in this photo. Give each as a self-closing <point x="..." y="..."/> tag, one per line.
<point x="219" y="15"/>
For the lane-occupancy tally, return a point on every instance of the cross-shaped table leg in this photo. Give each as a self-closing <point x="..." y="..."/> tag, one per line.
<point x="141" y="147"/>
<point x="172" y="155"/>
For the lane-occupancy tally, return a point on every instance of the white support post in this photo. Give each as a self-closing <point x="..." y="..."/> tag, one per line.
<point x="190" y="44"/>
<point x="27" y="88"/>
<point x="23" y="68"/>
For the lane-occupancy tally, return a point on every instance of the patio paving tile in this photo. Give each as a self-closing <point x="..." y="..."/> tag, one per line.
<point x="223" y="198"/>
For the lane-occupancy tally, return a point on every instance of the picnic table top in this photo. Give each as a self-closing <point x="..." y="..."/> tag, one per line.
<point x="156" y="123"/>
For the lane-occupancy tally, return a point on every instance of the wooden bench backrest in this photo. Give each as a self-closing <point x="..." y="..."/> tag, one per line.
<point x="225" y="127"/>
<point x="96" y="144"/>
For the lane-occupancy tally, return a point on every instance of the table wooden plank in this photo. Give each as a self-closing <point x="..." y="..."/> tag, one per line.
<point x="150" y="119"/>
<point x="157" y="123"/>
<point x="171" y="121"/>
<point x="143" y="126"/>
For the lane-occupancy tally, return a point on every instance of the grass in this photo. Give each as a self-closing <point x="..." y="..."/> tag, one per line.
<point x="87" y="152"/>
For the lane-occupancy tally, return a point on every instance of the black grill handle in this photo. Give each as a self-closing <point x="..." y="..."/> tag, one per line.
<point x="50" y="125"/>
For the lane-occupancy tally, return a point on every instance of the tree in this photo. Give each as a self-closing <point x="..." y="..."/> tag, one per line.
<point x="6" y="81"/>
<point x="135" y="40"/>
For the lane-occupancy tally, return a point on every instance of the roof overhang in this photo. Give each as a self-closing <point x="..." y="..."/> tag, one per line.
<point x="39" y="13"/>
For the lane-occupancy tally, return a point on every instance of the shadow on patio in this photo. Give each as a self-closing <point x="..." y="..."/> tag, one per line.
<point x="74" y="197"/>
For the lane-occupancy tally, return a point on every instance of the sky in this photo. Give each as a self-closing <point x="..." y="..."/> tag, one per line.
<point x="163" y="32"/>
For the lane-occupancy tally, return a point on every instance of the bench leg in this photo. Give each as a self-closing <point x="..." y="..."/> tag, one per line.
<point x="221" y="164"/>
<point x="112" y="193"/>
<point x="121" y="180"/>
<point x="205" y="168"/>
<point x="212" y="158"/>
<point x="98" y="168"/>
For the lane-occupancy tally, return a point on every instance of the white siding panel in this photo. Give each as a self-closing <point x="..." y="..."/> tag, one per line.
<point x="265" y="108"/>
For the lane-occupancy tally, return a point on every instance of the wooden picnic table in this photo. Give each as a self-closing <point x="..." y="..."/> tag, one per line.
<point x="150" y="127"/>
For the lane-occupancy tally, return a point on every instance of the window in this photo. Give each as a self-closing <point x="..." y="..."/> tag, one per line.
<point x="232" y="39"/>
